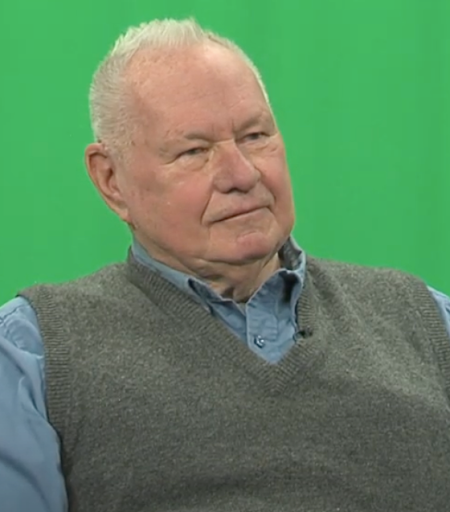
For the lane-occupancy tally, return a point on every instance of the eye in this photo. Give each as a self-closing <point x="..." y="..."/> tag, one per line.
<point x="192" y="152"/>
<point x="254" y="136"/>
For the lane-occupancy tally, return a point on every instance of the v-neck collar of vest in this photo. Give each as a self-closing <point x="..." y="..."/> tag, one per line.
<point x="205" y="336"/>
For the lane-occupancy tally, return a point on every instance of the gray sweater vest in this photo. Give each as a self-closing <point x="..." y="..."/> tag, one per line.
<point x="160" y="408"/>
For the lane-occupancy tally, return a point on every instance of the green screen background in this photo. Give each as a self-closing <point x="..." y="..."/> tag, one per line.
<point x="361" y="90"/>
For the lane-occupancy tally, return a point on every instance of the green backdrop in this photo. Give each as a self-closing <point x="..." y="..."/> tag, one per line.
<point x="361" y="89"/>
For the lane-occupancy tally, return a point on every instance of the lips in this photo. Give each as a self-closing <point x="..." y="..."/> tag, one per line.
<point x="238" y="213"/>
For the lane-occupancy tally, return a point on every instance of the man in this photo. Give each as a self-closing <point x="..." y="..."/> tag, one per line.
<point x="219" y="367"/>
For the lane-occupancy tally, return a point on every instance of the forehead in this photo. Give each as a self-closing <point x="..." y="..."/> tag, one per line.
<point x="202" y="84"/>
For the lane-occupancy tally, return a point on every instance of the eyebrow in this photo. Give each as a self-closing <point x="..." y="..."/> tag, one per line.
<point x="261" y="117"/>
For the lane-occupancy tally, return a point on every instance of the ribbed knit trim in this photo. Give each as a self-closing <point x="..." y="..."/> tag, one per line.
<point x="301" y="358"/>
<point x="305" y="355"/>
<point x="57" y="363"/>
<point x="434" y="331"/>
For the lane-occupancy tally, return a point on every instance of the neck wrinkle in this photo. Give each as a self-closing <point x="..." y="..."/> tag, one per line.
<point x="242" y="291"/>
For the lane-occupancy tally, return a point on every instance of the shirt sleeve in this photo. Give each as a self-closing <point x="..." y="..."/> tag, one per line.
<point x="443" y="302"/>
<point x="30" y="472"/>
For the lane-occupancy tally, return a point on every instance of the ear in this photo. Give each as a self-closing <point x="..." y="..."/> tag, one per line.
<point x="105" y="175"/>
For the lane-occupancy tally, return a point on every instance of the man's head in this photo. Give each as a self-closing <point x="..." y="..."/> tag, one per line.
<point x="188" y="151"/>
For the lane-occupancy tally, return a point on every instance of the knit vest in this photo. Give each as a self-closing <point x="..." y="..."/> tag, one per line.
<point x="159" y="407"/>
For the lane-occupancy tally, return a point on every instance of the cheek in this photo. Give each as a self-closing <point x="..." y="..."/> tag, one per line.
<point x="175" y="206"/>
<point x="277" y="181"/>
<point x="284" y="201"/>
<point x="189" y="200"/>
<point x="276" y="176"/>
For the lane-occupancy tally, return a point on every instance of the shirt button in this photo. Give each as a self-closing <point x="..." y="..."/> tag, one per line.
<point x="259" y="341"/>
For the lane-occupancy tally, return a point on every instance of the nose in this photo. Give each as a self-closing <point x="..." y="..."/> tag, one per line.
<point x="234" y="171"/>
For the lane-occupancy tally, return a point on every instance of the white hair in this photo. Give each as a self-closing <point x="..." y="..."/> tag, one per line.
<point x="110" y="112"/>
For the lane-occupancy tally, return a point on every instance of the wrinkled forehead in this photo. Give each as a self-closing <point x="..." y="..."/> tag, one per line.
<point x="194" y="85"/>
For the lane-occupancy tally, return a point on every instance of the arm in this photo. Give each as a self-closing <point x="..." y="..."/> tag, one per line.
<point x="30" y="475"/>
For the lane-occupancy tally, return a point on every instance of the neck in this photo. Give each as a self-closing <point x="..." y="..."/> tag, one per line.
<point x="241" y="282"/>
<point x="237" y="282"/>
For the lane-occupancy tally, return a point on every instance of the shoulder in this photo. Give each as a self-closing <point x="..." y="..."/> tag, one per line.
<point x="367" y="283"/>
<point x="22" y="352"/>
<point x="102" y="294"/>
<point x="17" y="308"/>
<point x="91" y="285"/>
<point x="19" y="326"/>
<point x="351" y="272"/>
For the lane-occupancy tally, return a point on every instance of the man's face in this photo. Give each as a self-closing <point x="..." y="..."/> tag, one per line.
<point x="207" y="181"/>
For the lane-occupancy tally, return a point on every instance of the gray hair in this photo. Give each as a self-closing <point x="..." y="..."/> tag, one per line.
<point x="109" y="110"/>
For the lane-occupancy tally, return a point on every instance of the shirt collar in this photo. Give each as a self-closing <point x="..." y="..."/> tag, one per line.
<point x="292" y="256"/>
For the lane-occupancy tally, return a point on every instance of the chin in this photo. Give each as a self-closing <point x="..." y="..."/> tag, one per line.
<point x="252" y="247"/>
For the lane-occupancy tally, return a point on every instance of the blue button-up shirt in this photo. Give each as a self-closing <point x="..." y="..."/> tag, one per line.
<point x="30" y="473"/>
<point x="267" y="321"/>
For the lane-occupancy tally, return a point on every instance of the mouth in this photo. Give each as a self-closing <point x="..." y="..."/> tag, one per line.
<point x="243" y="213"/>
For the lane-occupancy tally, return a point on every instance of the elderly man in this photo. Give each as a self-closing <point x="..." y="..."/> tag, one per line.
<point x="219" y="368"/>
